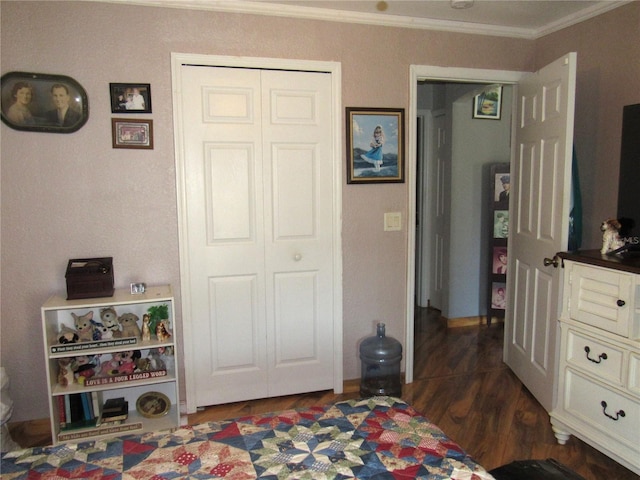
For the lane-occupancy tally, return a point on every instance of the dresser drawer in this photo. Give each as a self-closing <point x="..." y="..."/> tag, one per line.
<point x="586" y="400"/>
<point x="595" y="356"/>
<point x="602" y="298"/>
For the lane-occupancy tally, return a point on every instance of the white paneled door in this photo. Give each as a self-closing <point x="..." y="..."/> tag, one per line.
<point x="539" y="225"/>
<point x="259" y="193"/>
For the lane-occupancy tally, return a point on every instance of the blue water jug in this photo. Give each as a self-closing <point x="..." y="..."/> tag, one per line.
<point x="380" y="358"/>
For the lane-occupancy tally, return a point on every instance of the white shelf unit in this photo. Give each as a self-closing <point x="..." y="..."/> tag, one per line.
<point x="57" y="311"/>
<point x="599" y="369"/>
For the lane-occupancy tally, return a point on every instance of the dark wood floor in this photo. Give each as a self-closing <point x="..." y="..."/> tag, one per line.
<point x="462" y="385"/>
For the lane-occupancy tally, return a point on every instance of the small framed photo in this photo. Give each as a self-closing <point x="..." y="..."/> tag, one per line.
<point x="488" y="104"/>
<point x="132" y="133"/>
<point x="501" y="224"/>
<point x="40" y="102"/>
<point x="375" y="145"/>
<point x="130" y="97"/>
<point x="499" y="296"/>
<point x="499" y="264"/>
<point x="153" y="404"/>
<point x="501" y="187"/>
<point x="138" y="288"/>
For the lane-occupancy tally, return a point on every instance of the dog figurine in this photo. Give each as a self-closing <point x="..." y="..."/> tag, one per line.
<point x="610" y="236"/>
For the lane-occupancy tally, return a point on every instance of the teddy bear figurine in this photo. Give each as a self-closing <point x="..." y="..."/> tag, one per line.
<point x="109" y="319"/>
<point x="84" y="326"/>
<point x="111" y="367"/>
<point x="65" y="371"/>
<point x="67" y="335"/>
<point x="611" y="236"/>
<point x="146" y="329"/>
<point x="128" y="361"/>
<point x="85" y="367"/>
<point x="102" y="332"/>
<point x="162" y="333"/>
<point x="129" y="323"/>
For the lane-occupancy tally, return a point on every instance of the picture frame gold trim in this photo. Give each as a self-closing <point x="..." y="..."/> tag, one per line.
<point x="132" y="133"/>
<point x="368" y="161"/>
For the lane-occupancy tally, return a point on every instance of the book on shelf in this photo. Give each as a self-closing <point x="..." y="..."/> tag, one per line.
<point x="75" y="406"/>
<point x="67" y="408"/>
<point x="62" y="416"/>
<point x="114" y="409"/>
<point x="96" y="403"/>
<point x="75" y="411"/>
<point x="114" y="406"/>
<point x="113" y="418"/>
<point x="86" y="406"/>
<point x="78" y="410"/>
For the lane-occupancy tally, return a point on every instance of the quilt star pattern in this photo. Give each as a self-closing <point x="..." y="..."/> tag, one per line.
<point x="374" y="438"/>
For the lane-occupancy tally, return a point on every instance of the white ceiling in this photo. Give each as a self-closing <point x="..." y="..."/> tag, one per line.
<point x="510" y="18"/>
<point x="520" y="18"/>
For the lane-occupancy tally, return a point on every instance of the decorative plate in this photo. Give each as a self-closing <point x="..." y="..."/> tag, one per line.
<point x="153" y="404"/>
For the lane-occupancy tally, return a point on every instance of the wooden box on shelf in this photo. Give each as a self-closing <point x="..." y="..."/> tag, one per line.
<point x="104" y="350"/>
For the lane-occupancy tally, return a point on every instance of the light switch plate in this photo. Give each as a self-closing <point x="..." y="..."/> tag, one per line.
<point x="392" y="221"/>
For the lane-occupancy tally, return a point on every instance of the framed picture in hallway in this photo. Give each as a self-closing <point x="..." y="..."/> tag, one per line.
<point x="375" y="145"/>
<point x="488" y="104"/>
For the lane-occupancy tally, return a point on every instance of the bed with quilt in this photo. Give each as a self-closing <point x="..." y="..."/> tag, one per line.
<point x="372" y="438"/>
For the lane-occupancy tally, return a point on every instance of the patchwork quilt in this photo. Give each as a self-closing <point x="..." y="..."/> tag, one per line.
<point x="375" y="438"/>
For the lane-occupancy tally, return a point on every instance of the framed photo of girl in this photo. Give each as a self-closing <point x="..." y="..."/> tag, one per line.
<point x="375" y="145"/>
<point x="40" y="102"/>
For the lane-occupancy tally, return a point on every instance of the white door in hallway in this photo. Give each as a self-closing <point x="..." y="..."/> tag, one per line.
<point x="439" y="172"/>
<point x="258" y="176"/>
<point x="539" y="224"/>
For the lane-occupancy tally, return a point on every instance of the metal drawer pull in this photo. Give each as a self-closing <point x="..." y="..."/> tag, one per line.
<point x="602" y="356"/>
<point x="621" y="303"/>
<point x="619" y="413"/>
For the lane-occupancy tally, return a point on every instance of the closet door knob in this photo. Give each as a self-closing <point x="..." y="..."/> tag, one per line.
<point x="297" y="257"/>
<point x="621" y="303"/>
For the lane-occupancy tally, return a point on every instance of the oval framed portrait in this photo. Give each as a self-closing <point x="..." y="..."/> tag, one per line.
<point x="40" y="102"/>
<point x="153" y="404"/>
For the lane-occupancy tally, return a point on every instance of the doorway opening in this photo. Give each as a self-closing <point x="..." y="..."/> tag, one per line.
<point x="453" y="191"/>
<point x="455" y="79"/>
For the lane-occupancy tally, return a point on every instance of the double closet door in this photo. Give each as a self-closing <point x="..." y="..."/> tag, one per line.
<point x="259" y="218"/>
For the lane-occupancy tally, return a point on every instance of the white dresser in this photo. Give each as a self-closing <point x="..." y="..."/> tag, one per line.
<point x="599" y="366"/>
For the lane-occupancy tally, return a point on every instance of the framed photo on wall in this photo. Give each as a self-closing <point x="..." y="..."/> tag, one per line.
<point x="498" y="296"/>
<point x="489" y="103"/>
<point x="375" y="145"/>
<point x="130" y="97"/>
<point x="40" y="102"/>
<point x="132" y="133"/>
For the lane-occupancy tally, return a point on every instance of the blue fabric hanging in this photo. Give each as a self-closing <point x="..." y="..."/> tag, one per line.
<point x="575" y="212"/>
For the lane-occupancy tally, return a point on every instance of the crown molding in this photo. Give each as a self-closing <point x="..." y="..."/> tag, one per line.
<point x="313" y="13"/>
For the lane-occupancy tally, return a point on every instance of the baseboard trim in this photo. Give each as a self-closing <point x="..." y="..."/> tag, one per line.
<point x="470" y="321"/>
